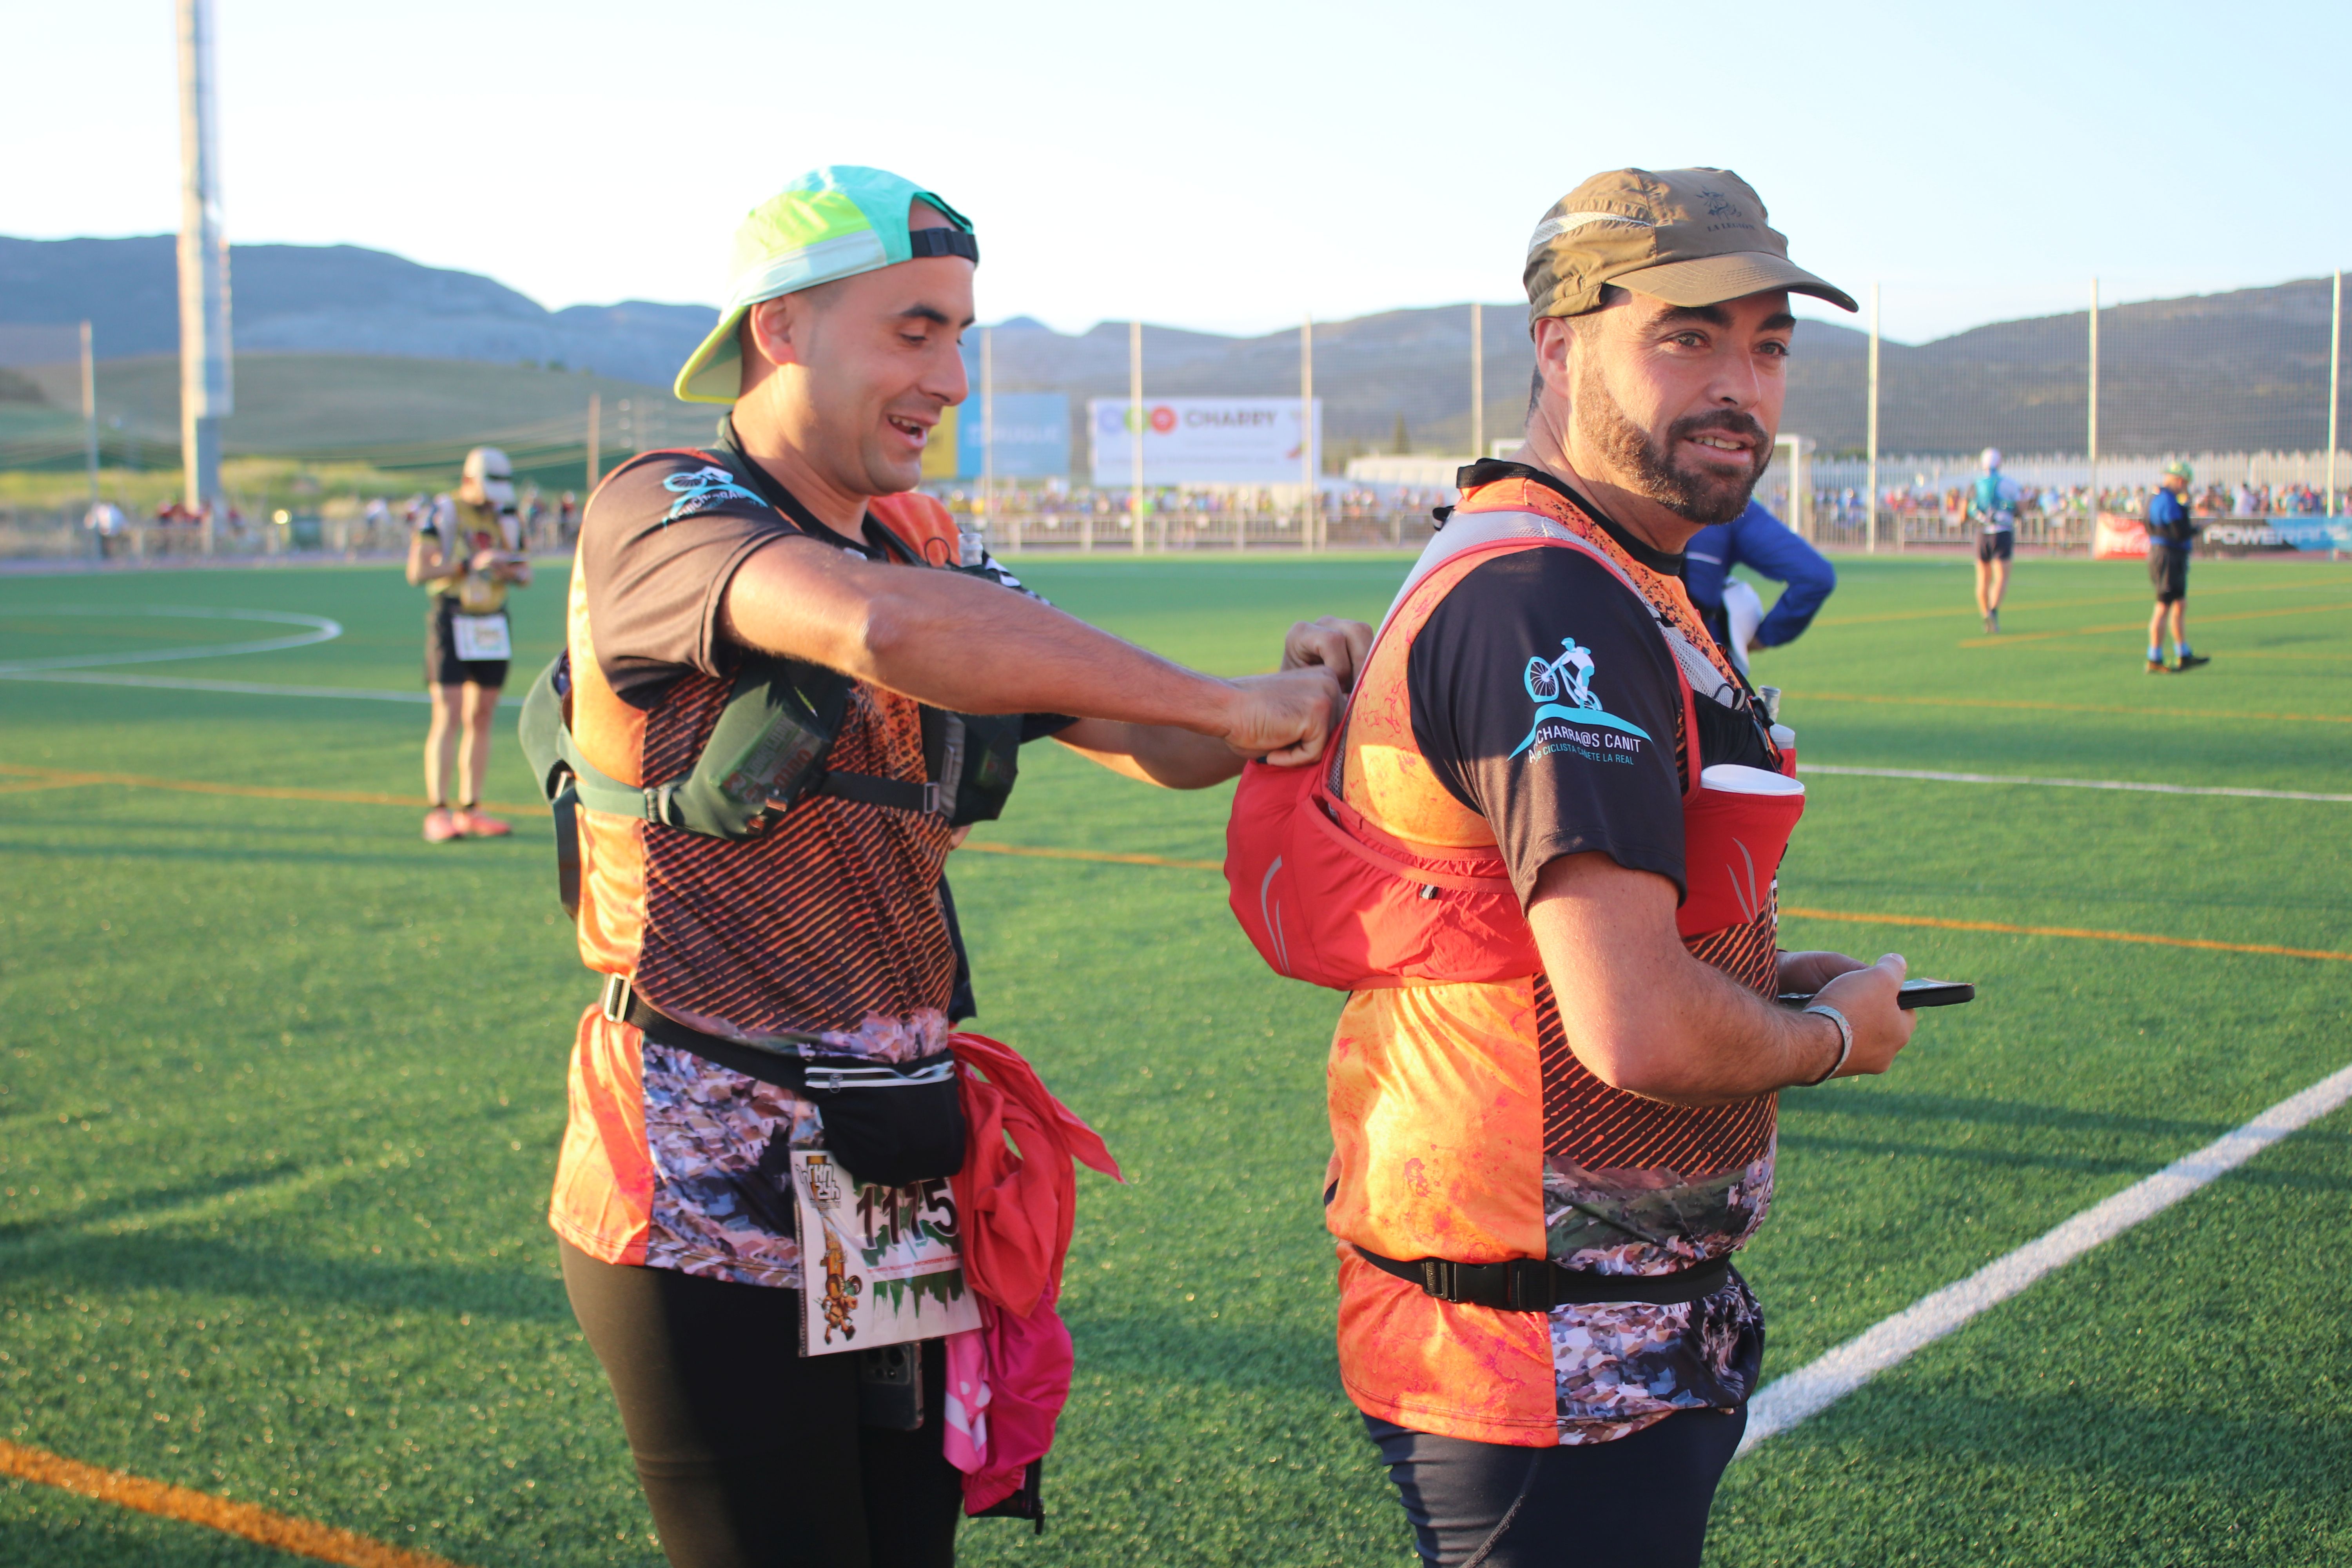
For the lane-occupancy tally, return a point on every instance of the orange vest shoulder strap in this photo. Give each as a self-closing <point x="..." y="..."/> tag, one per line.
<point x="923" y="525"/>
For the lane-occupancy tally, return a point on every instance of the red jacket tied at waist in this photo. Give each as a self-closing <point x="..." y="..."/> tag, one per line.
<point x="1017" y="1199"/>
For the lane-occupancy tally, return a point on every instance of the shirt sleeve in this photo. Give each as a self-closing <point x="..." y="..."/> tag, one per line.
<point x="659" y="542"/>
<point x="1764" y="543"/>
<point x="1544" y="699"/>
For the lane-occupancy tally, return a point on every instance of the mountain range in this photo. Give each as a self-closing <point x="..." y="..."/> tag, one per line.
<point x="2245" y="369"/>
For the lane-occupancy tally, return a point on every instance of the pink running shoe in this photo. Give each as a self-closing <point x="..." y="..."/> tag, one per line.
<point x="475" y="824"/>
<point x="441" y="825"/>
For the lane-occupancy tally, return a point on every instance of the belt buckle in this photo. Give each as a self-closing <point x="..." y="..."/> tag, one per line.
<point x="617" y="997"/>
<point x="1527" y="1285"/>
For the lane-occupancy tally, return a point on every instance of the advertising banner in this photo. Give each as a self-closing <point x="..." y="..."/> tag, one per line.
<point x="1032" y="436"/>
<point x="941" y="451"/>
<point x="1202" y="440"/>
<point x="2119" y="538"/>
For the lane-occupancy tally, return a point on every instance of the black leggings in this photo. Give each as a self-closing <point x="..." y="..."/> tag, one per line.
<point x="1638" y="1502"/>
<point x="751" y="1455"/>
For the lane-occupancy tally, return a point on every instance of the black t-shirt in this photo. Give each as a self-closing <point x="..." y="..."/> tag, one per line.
<point x="1545" y="699"/>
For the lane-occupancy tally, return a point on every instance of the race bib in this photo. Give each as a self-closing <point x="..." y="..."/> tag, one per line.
<point x="481" y="638"/>
<point x="879" y="1266"/>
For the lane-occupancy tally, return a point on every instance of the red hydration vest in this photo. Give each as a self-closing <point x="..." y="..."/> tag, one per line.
<point x="1329" y="899"/>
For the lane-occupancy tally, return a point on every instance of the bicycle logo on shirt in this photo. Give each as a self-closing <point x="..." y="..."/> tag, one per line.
<point x="1569" y="717"/>
<point x="701" y="490"/>
<point x="1569" y="675"/>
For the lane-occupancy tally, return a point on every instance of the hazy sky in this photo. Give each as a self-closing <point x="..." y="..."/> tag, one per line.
<point x="1220" y="165"/>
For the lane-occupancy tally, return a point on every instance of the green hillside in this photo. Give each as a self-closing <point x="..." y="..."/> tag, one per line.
<point x="393" y="413"/>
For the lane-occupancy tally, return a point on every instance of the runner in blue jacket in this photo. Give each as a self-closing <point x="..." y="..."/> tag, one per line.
<point x="1763" y="544"/>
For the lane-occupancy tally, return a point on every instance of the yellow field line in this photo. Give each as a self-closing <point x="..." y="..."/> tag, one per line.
<point x="1110" y="857"/>
<point x="303" y="1538"/>
<point x="2076" y="933"/>
<point x="2010" y="640"/>
<point x="2066" y="707"/>
<point x="1104" y="856"/>
<point x="60" y="778"/>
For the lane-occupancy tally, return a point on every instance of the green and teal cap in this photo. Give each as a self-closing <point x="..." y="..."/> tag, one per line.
<point x="834" y="222"/>
<point x="2180" y="471"/>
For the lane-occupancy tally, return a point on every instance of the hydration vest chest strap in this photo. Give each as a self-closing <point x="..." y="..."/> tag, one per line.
<point x="891" y="1124"/>
<point x="1537" y="1284"/>
<point x="779" y="1064"/>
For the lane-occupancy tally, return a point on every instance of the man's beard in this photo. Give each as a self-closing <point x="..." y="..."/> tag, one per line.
<point x="1700" y="497"/>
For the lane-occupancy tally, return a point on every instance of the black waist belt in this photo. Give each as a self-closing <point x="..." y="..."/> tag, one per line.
<point x="782" y="1064"/>
<point x="1537" y="1285"/>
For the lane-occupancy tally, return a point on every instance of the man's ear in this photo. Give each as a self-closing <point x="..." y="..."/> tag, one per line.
<point x="772" y="327"/>
<point x="1556" y="351"/>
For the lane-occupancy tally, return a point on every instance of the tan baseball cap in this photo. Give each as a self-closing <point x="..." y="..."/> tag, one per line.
<point x="1689" y="236"/>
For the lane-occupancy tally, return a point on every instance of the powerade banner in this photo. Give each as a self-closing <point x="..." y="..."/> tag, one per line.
<point x="1032" y="436"/>
<point x="2119" y="538"/>
<point x="1202" y="440"/>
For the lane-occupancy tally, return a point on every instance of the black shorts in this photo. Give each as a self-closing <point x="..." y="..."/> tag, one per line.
<point x="442" y="665"/>
<point x="2167" y="573"/>
<point x="1637" y="1502"/>
<point x="1996" y="544"/>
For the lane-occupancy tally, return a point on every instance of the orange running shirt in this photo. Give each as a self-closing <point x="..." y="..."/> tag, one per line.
<point x="1463" y="1125"/>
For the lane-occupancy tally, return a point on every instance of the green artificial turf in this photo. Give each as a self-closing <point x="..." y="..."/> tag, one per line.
<point x="280" y="1090"/>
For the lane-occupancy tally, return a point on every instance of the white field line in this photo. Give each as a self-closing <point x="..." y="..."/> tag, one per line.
<point x="318" y="629"/>
<point x="1804" y="767"/>
<point x="1809" y="1390"/>
<point x="245" y="687"/>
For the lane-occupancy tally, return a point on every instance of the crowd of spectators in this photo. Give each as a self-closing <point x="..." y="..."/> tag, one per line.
<point x="1928" y="510"/>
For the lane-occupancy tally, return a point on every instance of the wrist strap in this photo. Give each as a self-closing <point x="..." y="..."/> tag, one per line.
<point x="1845" y="1041"/>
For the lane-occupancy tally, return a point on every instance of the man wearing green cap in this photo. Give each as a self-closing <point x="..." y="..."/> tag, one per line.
<point x="2171" y="534"/>
<point x="1539" y="1181"/>
<point x="828" y="935"/>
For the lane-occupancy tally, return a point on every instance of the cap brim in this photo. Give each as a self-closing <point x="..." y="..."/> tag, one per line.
<point x="1712" y="279"/>
<point x="714" y="372"/>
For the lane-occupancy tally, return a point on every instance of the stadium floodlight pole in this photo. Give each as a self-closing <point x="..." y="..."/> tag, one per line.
<point x="1307" y="429"/>
<point x="1870" y="508"/>
<point x="90" y="415"/>
<point x="2092" y="394"/>
<point x="987" y="427"/>
<point x="1477" y="381"/>
<point x="1137" y="415"/>
<point x="205" y="389"/>
<point x="2335" y="371"/>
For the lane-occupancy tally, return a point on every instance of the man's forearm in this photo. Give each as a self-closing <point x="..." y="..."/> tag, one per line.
<point x="954" y="642"/>
<point x="1719" y="1041"/>
<point x="1154" y="753"/>
<point x="1645" y="1016"/>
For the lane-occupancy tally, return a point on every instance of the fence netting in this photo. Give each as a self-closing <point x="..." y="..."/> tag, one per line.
<point x="1041" y="453"/>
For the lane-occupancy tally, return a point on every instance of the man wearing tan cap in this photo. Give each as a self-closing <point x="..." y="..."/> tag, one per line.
<point x="466" y="552"/>
<point x="1539" y="1179"/>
